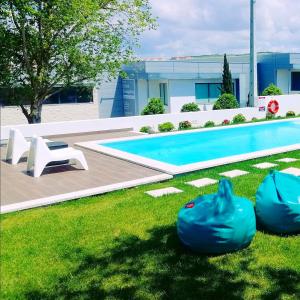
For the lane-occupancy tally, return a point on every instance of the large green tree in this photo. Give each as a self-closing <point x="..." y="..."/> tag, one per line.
<point x="50" y="43"/>
<point x="227" y="87"/>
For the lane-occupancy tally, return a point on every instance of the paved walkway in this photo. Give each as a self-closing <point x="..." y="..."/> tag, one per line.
<point x="68" y="182"/>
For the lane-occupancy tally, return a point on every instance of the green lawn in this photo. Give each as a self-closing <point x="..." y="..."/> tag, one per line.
<point x="123" y="245"/>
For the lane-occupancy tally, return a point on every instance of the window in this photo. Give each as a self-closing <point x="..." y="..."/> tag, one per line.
<point x="295" y="84"/>
<point x="81" y="94"/>
<point x="72" y="95"/>
<point x="163" y="93"/>
<point x="208" y="92"/>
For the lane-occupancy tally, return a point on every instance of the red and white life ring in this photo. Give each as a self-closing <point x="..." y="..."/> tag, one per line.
<point x="273" y="107"/>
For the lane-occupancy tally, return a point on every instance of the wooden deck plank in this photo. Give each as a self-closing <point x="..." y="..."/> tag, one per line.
<point x="18" y="186"/>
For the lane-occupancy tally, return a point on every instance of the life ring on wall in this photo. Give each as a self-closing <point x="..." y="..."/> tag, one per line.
<point x="273" y="107"/>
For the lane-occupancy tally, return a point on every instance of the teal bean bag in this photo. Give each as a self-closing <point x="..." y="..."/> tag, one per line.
<point x="217" y="223"/>
<point x="278" y="203"/>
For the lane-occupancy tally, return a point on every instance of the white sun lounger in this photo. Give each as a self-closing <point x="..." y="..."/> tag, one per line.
<point x="17" y="146"/>
<point x="40" y="155"/>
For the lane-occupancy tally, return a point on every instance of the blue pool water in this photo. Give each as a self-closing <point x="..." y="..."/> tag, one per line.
<point x="193" y="147"/>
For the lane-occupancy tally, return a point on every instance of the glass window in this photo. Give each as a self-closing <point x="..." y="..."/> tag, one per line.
<point x="214" y="91"/>
<point x="54" y="99"/>
<point x="202" y="91"/>
<point x="208" y="92"/>
<point x="295" y="86"/>
<point x="84" y="94"/>
<point x="163" y="93"/>
<point x="68" y="96"/>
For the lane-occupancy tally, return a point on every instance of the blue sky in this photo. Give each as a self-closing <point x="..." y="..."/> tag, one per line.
<point x="193" y="27"/>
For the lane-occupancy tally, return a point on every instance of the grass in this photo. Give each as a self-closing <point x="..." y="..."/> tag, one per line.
<point x="123" y="245"/>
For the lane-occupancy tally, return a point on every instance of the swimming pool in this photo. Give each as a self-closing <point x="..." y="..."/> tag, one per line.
<point x="196" y="149"/>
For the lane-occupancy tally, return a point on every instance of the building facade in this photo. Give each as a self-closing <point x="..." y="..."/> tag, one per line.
<point x="180" y="80"/>
<point x="175" y="81"/>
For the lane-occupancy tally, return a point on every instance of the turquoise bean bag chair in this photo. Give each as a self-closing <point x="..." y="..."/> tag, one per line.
<point x="217" y="223"/>
<point x="278" y="203"/>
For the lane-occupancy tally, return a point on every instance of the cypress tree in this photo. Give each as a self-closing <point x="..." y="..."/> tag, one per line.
<point x="227" y="78"/>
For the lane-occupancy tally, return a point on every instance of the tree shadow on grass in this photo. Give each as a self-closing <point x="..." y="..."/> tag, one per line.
<point x="160" y="268"/>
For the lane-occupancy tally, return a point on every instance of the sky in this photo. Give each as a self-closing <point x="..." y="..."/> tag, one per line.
<point x="195" y="27"/>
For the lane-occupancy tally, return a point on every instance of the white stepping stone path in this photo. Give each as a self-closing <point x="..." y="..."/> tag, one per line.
<point x="265" y="165"/>
<point x="162" y="192"/>
<point x="292" y="171"/>
<point x="234" y="173"/>
<point x="287" y="160"/>
<point x="202" y="182"/>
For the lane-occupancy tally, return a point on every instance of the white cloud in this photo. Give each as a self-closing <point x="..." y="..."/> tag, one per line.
<point x="193" y="27"/>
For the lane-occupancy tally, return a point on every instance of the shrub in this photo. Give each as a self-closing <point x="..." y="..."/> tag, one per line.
<point x="184" y="125"/>
<point x="154" y="107"/>
<point x="271" y="90"/>
<point x="190" y="107"/>
<point x="239" y="118"/>
<point x="209" y="124"/>
<point x="165" y="127"/>
<point x="270" y="116"/>
<point x="226" y="101"/>
<point x="146" y="129"/>
<point x="254" y="119"/>
<point x="226" y="122"/>
<point x="290" y="114"/>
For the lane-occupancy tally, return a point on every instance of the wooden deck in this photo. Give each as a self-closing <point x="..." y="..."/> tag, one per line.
<point x="17" y="186"/>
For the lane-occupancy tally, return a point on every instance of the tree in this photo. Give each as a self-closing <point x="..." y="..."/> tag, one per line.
<point x="227" y="78"/>
<point x="57" y="43"/>
<point x="271" y="90"/>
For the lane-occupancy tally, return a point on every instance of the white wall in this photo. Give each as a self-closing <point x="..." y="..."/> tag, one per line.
<point x="283" y="80"/>
<point x="286" y="103"/>
<point x="135" y="122"/>
<point x="142" y="95"/>
<point x="183" y="91"/>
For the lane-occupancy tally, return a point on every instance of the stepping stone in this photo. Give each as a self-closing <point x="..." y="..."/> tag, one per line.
<point x="202" y="182"/>
<point x="292" y="171"/>
<point x="265" y="165"/>
<point x="287" y="160"/>
<point x="234" y="173"/>
<point x="163" y="192"/>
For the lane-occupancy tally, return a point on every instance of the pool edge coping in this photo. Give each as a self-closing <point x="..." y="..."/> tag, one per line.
<point x="175" y="170"/>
